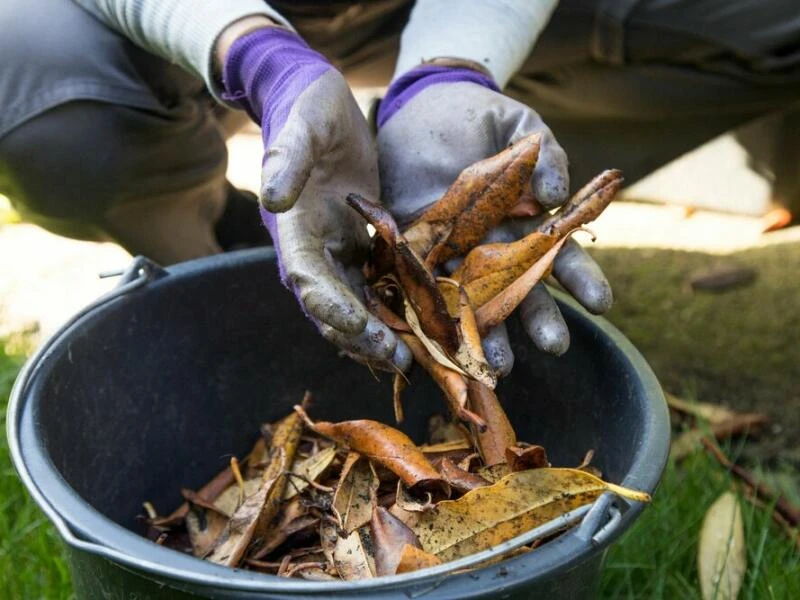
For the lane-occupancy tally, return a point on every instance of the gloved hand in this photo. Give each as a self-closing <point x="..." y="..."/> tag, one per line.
<point x="436" y="120"/>
<point x="317" y="149"/>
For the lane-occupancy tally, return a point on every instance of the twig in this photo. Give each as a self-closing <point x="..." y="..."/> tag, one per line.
<point x="788" y="512"/>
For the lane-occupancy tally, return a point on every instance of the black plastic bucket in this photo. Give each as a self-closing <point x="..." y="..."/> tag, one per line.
<point x="150" y="389"/>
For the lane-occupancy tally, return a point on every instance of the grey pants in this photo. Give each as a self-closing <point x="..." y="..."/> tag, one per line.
<point x="129" y="148"/>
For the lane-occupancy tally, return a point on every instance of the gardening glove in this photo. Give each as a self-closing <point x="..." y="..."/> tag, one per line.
<point x="438" y="118"/>
<point x="317" y="150"/>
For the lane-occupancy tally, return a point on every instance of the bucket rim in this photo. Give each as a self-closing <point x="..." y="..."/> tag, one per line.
<point x="85" y="529"/>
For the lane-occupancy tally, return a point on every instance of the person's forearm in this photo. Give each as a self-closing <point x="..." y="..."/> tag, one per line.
<point x="496" y="34"/>
<point x="187" y="32"/>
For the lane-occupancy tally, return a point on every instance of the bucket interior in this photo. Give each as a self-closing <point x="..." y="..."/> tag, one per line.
<point x="156" y="391"/>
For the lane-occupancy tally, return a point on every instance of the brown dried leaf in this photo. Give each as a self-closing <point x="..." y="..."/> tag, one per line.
<point x="386" y="445"/>
<point x="204" y="527"/>
<point x="494" y="473"/>
<point x="356" y="493"/>
<point x="410" y="503"/>
<point x="378" y="308"/>
<point x="499" y="434"/>
<point x="208" y="492"/>
<point x="517" y="503"/>
<point x="414" y="559"/>
<point x="353" y="557"/>
<point x="281" y="527"/>
<point x="499" y="308"/>
<point x="529" y="457"/>
<point x="459" y="479"/>
<point x="722" y="552"/>
<point x="399" y="383"/>
<point x="586" y="205"/>
<point x="470" y="355"/>
<point x="479" y="199"/>
<point x="452" y="383"/>
<point x="251" y="519"/>
<point x="389" y="535"/>
<point x="418" y="283"/>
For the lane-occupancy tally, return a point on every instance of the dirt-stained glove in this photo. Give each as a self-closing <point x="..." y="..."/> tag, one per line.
<point x="436" y="120"/>
<point x="317" y="149"/>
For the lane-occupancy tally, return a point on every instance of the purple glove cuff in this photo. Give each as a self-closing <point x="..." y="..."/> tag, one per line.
<point x="265" y="71"/>
<point x="409" y="85"/>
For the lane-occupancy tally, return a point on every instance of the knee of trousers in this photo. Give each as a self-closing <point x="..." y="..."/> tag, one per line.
<point x="67" y="167"/>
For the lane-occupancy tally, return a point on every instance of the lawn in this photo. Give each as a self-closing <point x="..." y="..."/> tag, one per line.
<point x="656" y="559"/>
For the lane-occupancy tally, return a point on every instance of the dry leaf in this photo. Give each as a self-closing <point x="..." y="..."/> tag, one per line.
<point x="478" y="200"/>
<point x="389" y="534"/>
<point x="352" y="556"/>
<point x="386" y="445"/>
<point x="204" y="527"/>
<point x="517" y="503"/>
<point x="254" y="515"/>
<point x="494" y="473"/>
<point x="308" y="470"/>
<point x="356" y="493"/>
<point x="470" y="355"/>
<point x="499" y="434"/>
<point x="459" y="479"/>
<point x="414" y="559"/>
<point x="443" y="430"/>
<point x="499" y="308"/>
<point x="521" y="458"/>
<point x="399" y="383"/>
<point x="452" y="383"/>
<point x="721" y="552"/>
<point x="208" y="492"/>
<point x="229" y="500"/>
<point x="418" y="284"/>
<point x="586" y="205"/>
<point x="713" y="413"/>
<point x="290" y="512"/>
<point x="410" y="503"/>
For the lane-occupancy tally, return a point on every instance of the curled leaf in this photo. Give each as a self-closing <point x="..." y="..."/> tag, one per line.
<point x="459" y="479"/>
<point x="452" y="383"/>
<point x="521" y="458"/>
<point x="499" y="434"/>
<point x="419" y="285"/>
<point x="386" y="445"/>
<point x="586" y="205"/>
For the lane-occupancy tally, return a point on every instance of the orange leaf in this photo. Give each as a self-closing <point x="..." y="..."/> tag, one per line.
<point x="386" y="445"/>
<point x="414" y="559"/>
<point x="389" y="535"/>
<point x="499" y="433"/>
<point x="480" y="198"/>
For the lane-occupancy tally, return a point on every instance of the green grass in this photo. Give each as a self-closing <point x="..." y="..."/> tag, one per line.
<point x="31" y="555"/>
<point x="656" y="559"/>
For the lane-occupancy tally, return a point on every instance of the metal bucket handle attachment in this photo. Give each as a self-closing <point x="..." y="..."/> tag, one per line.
<point x="598" y="521"/>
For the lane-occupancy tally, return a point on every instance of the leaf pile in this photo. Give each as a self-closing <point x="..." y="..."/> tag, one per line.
<point x="359" y="499"/>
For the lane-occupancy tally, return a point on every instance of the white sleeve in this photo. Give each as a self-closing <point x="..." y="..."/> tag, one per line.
<point x="181" y="31"/>
<point x="498" y="34"/>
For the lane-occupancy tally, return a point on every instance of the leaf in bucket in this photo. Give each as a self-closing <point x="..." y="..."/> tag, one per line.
<point x="254" y="515"/>
<point x="517" y="503"/>
<point x="389" y="534"/>
<point x="479" y="199"/>
<point x="386" y="445"/>
<point x="452" y="383"/>
<point x="459" y="479"/>
<point x="521" y="458"/>
<point x="204" y="527"/>
<point x="356" y="493"/>
<point x="350" y="555"/>
<point x="414" y="559"/>
<point x="418" y="283"/>
<point x="308" y="470"/>
<point x="499" y="434"/>
<point x="721" y="552"/>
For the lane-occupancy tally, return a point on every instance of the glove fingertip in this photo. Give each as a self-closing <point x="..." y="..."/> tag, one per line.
<point x="551" y="338"/>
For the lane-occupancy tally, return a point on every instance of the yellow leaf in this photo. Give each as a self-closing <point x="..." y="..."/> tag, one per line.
<point x="517" y="503"/>
<point x="721" y="552"/>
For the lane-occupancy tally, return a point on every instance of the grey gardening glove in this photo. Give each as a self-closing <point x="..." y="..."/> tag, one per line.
<point x="317" y="150"/>
<point x="438" y="119"/>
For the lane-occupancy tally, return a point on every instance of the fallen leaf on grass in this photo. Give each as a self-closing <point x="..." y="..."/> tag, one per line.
<point x="517" y="503"/>
<point x="721" y="552"/>
<point x="356" y="493"/>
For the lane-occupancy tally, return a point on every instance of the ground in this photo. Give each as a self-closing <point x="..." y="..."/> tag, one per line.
<point x="737" y="348"/>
